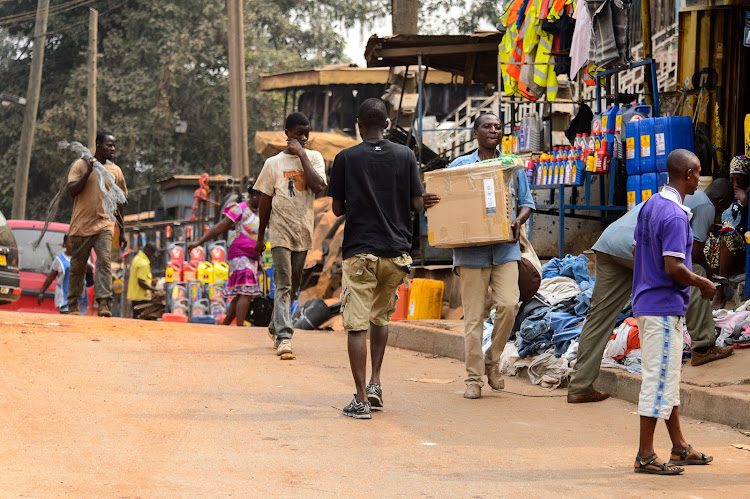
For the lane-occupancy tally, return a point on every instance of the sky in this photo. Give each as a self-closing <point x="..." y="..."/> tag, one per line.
<point x="356" y="39"/>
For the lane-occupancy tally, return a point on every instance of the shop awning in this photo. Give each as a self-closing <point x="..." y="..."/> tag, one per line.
<point x="474" y="57"/>
<point x="338" y="74"/>
<point x="270" y="143"/>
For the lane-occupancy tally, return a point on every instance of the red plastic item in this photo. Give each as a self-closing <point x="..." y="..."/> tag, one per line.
<point x="174" y="318"/>
<point x="402" y="304"/>
<point x="602" y="157"/>
<point x="198" y="254"/>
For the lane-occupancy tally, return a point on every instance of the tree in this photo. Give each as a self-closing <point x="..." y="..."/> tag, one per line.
<point x="162" y="61"/>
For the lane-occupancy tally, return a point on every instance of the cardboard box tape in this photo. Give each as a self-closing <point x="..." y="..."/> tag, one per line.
<point x="475" y="206"/>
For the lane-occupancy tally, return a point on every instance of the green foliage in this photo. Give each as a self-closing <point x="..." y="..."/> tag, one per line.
<point x="460" y="16"/>
<point x="163" y="61"/>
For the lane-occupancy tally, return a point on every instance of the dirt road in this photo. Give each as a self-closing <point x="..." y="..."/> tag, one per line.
<point x="121" y="408"/>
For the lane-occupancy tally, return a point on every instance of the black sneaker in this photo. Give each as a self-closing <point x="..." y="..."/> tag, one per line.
<point x="357" y="410"/>
<point x="375" y="396"/>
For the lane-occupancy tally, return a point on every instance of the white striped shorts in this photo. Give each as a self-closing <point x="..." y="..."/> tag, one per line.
<point x="661" y="350"/>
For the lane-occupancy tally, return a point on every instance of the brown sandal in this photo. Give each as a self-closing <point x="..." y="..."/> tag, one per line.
<point x="683" y="454"/>
<point x="651" y="461"/>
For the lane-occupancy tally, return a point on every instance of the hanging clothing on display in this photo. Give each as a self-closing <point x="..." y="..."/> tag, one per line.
<point x="579" y="50"/>
<point x="610" y="45"/>
<point x="532" y="29"/>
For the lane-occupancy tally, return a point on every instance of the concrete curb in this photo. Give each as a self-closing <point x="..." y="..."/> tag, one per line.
<point x="723" y="405"/>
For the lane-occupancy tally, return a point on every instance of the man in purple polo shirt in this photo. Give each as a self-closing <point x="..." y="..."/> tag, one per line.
<point x="661" y="290"/>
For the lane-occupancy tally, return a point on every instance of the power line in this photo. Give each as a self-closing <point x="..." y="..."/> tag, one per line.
<point x="25" y="49"/>
<point x="52" y="10"/>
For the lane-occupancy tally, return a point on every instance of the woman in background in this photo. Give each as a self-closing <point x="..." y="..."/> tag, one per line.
<point x="244" y="262"/>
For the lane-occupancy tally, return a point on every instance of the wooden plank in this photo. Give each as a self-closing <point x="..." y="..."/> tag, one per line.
<point x="704" y="40"/>
<point x="690" y="50"/>
<point x="436" y="50"/>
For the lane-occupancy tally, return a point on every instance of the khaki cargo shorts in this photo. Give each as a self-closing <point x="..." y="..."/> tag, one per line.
<point x="369" y="289"/>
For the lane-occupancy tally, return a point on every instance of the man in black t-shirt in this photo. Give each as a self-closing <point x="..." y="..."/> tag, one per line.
<point x="377" y="185"/>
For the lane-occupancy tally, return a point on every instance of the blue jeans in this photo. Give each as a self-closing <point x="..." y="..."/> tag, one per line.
<point x="287" y="274"/>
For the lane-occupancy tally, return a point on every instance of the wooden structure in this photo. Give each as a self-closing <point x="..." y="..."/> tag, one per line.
<point x="712" y="56"/>
<point x="329" y="96"/>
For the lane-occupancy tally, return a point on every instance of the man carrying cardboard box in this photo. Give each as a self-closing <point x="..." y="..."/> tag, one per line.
<point x="490" y="265"/>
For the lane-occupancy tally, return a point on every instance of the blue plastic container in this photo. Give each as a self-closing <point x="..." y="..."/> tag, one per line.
<point x="618" y="118"/>
<point x="649" y="185"/>
<point x="663" y="179"/>
<point x="609" y="119"/>
<point x="269" y="276"/>
<point x="632" y="151"/>
<point x="580" y="172"/>
<point x="202" y="319"/>
<point x="634" y="191"/>
<point x="685" y="126"/>
<point x="646" y="145"/>
<point x="670" y="133"/>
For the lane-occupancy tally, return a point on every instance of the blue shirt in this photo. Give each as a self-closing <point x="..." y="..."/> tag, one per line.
<point x="663" y="229"/>
<point x="617" y="239"/>
<point x="493" y="254"/>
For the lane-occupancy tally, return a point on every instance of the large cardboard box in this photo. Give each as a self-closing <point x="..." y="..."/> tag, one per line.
<point x="475" y="206"/>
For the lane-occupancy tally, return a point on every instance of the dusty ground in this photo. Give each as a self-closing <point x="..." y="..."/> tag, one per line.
<point x="120" y="408"/>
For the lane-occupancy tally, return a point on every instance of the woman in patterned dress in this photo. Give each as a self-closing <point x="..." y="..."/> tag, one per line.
<point x="244" y="261"/>
<point x="725" y="247"/>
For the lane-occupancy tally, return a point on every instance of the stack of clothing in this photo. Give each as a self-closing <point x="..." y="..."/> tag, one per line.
<point x="564" y="300"/>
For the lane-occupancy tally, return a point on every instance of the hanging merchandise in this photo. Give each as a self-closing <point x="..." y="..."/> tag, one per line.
<point x="610" y="44"/>
<point x="532" y="29"/>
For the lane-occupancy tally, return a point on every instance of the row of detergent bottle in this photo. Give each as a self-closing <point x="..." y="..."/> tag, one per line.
<point x="199" y="268"/>
<point x="561" y="166"/>
<point x="566" y="165"/>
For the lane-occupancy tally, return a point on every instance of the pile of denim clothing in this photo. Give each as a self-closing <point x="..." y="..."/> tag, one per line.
<point x="553" y="326"/>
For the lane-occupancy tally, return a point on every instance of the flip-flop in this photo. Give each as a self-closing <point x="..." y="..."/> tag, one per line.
<point x="683" y="457"/>
<point x="650" y="461"/>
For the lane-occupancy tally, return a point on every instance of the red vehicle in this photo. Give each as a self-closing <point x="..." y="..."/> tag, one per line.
<point x="34" y="265"/>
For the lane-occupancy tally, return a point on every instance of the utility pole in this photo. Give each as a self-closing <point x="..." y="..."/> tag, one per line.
<point x="404" y="17"/>
<point x="237" y="91"/>
<point x="91" y="63"/>
<point x="29" y="117"/>
<point x="647" y="50"/>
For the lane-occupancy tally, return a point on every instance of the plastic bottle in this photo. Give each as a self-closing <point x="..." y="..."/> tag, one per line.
<point x="198" y="254"/>
<point x="609" y="134"/>
<point x="221" y="272"/>
<point x="530" y="171"/>
<point x="645" y="143"/>
<point x="670" y="133"/>
<point x="618" y="118"/>
<point x="634" y="113"/>
<point x="539" y="180"/>
<point x="602" y="158"/>
<point x="190" y="272"/>
<point x="649" y="185"/>
<point x="578" y="171"/>
<point x="176" y="252"/>
<point x="609" y="116"/>
<point x="633" y="191"/>
<point x="632" y="151"/>
<point x="206" y="272"/>
<point x="596" y="124"/>
<point x="218" y="252"/>
<point x="568" y="175"/>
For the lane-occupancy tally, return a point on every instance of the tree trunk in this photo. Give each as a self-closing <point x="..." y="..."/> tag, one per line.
<point x="404" y="16"/>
